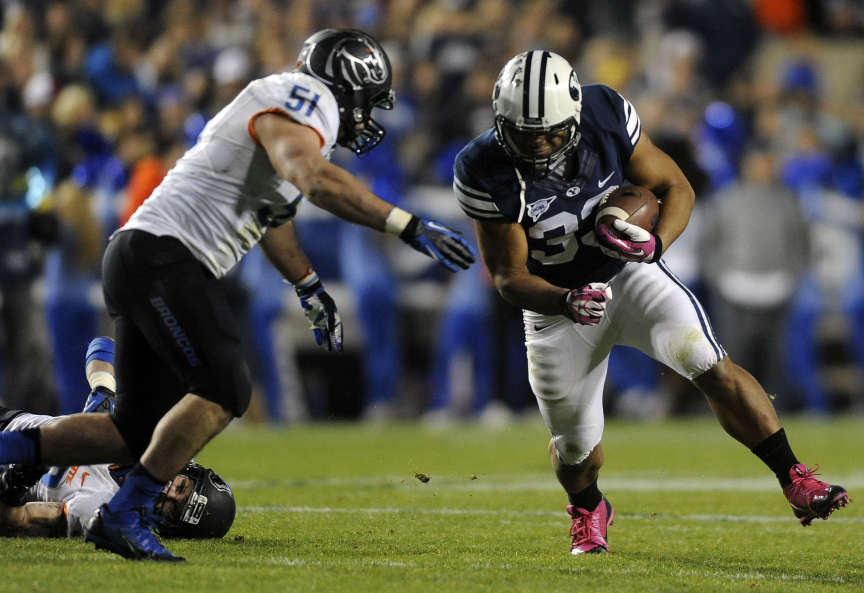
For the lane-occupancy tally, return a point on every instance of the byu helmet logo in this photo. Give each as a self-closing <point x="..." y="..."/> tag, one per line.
<point x="574" y="86"/>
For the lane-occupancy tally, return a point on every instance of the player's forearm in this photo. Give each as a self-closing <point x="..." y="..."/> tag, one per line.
<point x="334" y="189"/>
<point x="531" y="292"/>
<point x="675" y="212"/>
<point x="281" y="247"/>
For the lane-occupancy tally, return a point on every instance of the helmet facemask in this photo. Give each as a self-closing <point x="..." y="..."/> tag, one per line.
<point x="358" y="131"/>
<point x="523" y="144"/>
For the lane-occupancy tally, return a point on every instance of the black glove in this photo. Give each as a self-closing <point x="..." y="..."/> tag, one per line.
<point x="16" y="480"/>
<point x="438" y="242"/>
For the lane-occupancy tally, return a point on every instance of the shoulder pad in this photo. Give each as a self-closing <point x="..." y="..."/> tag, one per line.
<point x="485" y="181"/>
<point x="608" y="111"/>
<point x="304" y="98"/>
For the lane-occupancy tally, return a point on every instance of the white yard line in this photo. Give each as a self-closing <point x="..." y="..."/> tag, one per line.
<point x="538" y="482"/>
<point x="609" y="570"/>
<point x="514" y="513"/>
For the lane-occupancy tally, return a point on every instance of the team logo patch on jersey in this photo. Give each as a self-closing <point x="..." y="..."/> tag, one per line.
<point x="573" y="191"/>
<point x="536" y="209"/>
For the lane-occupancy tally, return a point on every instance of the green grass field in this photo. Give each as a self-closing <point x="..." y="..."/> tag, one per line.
<point x="338" y="508"/>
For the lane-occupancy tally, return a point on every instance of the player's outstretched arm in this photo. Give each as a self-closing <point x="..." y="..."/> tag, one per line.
<point x="652" y="168"/>
<point x="281" y="247"/>
<point x="504" y="250"/>
<point x="294" y="151"/>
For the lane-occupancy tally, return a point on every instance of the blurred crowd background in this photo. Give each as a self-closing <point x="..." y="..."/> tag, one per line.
<point x="761" y="102"/>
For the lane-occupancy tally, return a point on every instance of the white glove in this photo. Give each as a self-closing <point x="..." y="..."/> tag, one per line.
<point x="628" y="242"/>
<point x="320" y="310"/>
<point x="587" y="305"/>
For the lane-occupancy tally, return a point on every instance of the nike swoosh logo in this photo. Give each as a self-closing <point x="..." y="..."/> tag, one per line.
<point x="603" y="182"/>
<point x="538" y="328"/>
<point x="435" y="226"/>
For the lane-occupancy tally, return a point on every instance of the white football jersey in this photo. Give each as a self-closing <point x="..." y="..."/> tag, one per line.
<point x="221" y="195"/>
<point x="84" y="488"/>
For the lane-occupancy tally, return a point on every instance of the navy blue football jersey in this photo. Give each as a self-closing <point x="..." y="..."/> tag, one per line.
<point x="556" y="211"/>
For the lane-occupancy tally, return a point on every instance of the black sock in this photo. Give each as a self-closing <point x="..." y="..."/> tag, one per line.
<point x="776" y="454"/>
<point x="587" y="498"/>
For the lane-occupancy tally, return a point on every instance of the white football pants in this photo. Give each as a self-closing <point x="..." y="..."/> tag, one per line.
<point x="650" y="310"/>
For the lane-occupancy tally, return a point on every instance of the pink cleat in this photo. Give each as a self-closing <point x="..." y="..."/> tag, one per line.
<point x="588" y="529"/>
<point x="811" y="498"/>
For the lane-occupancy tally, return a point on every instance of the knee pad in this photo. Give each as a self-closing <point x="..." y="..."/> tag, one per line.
<point x="693" y="353"/>
<point x="574" y="448"/>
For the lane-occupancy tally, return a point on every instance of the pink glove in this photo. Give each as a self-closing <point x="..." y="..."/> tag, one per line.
<point x="628" y="242"/>
<point x="587" y="305"/>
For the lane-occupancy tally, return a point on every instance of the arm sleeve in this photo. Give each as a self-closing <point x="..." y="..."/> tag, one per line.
<point x="618" y="116"/>
<point x="632" y="123"/>
<point x="302" y="98"/>
<point x="472" y="194"/>
<point x="27" y="420"/>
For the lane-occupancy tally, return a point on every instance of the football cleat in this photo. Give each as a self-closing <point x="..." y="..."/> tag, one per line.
<point x="101" y="400"/>
<point x="126" y="533"/>
<point x="811" y="498"/>
<point x="588" y="529"/>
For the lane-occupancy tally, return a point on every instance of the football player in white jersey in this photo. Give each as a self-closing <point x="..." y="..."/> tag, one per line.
<point x="532" y="184"/>
<point x="180" y="371"/>
<point x="196" y="504"/>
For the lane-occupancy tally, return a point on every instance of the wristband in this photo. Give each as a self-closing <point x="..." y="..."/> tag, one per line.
<point x="101" y="348"/>
<point x="102" y="379"/>
<point x="306" y="281"/>
<point x="397" y="221"/>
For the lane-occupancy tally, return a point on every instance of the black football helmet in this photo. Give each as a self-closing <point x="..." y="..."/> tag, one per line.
<point x="209" y="511"/>
<point x="357" y="70"/>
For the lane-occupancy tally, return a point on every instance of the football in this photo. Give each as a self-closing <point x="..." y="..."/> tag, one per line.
<point x="636" y="204"/>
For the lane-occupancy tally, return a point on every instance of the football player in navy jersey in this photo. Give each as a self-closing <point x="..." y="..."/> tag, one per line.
<point x="531" y="184"/>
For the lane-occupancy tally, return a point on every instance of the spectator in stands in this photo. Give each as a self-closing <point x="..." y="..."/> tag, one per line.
<point x="752" y="267"/>
<point x="27" y="165"/>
